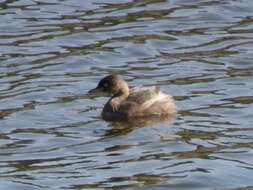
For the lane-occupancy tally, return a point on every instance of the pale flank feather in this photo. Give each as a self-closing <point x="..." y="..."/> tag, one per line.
<point x="161" y="97"/>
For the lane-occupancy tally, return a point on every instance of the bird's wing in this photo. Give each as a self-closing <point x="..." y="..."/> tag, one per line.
<point x="142" y="94"/>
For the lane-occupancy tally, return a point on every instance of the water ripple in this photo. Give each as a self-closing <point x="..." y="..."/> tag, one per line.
<point x="53" y="52"/>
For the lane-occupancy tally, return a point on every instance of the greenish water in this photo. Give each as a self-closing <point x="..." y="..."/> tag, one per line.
<point x="53" y="52"/>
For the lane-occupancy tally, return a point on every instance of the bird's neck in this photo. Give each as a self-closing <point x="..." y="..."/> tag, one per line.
<point x="122" y="94"/>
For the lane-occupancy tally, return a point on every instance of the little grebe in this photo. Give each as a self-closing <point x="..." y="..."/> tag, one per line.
<point x="136" y="102"/>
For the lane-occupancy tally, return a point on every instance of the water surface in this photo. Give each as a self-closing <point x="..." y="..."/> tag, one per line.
<point x="53" y="52"/>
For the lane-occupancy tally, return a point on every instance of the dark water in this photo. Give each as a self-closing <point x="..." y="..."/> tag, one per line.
<point x="53" y="52"/>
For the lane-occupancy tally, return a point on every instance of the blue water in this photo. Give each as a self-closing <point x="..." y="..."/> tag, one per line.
<point x="53" y="52"/>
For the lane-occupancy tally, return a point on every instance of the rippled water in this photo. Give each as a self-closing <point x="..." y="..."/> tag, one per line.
<point x="53" y="52"/>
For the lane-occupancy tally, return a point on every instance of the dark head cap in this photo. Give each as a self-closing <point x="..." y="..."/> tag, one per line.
<point x="108" y="84"/>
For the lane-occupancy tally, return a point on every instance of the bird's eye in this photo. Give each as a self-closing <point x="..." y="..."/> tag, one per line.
<point x="105" y="85"/>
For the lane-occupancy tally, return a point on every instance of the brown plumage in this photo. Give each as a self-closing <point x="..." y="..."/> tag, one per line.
<point x="136" y="102"/>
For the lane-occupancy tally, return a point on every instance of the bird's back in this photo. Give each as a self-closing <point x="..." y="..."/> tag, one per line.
<point x="147" y="101"/>
<point x="142" y="94"/>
